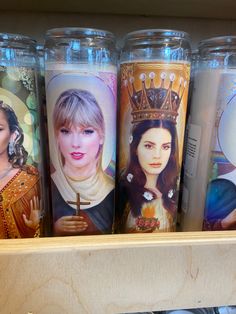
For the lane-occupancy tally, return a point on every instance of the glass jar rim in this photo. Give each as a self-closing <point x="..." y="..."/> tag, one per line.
<point x="16" y="38"/>
<point x="159" y="33"/>
<point x="79" y="32"/>
<point x="217" y="42"/>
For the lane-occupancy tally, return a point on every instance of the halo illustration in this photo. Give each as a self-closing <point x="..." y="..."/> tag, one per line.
<point x="227" y="132"/>
<point x="102" y="93"/>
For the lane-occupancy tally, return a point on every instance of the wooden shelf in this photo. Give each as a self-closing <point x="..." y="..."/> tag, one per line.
<point x="118" y="273"/>
<point x="221" y="9"/>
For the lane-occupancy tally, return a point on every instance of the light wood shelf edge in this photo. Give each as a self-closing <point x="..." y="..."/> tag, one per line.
<point x="116" y="241"/>
<point x="118" y="273"/>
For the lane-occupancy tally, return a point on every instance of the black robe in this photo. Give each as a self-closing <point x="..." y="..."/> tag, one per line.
<point x="99" y="217"/>
<point x="220" y="201"/>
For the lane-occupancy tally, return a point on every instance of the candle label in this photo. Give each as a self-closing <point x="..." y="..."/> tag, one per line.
<point x="152" y="121"/>
<point x="81" y="108"/>
<point x="220" y="205"/>
<point x="192" y="150"/>
<point x="20" y="192"/>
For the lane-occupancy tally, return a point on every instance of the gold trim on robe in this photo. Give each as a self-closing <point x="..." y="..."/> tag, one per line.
<point x="15" y="200"/>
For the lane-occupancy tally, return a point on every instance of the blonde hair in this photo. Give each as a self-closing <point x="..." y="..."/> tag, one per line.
<point x="78" y="107"/>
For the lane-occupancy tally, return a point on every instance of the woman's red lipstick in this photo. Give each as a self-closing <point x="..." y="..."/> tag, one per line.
<point x="155" y="165"/>
<point x="77" y="155"/>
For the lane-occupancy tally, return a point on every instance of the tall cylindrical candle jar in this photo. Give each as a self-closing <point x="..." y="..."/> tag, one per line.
<point x="155" y="73"/>
<point x="209" y="197"/>
<point x="20" y="162"/>
<point x="81" y="83"/>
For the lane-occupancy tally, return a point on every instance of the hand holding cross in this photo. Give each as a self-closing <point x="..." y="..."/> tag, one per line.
<point x="78" y="203"/>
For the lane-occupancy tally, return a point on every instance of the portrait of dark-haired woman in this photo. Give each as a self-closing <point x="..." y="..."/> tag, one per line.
<point x="147" y="189"/>
<point x="19" y="182"/>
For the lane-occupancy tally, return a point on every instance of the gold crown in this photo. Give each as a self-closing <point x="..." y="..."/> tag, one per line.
<point x="155" y="103"/>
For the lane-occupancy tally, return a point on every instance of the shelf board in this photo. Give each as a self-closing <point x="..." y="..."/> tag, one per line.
<point x="118" y="273"/>
<point x="222" y="9"/>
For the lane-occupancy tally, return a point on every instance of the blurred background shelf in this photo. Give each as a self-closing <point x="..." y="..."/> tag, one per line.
<point x="200" y="18"/>
<point x="219" y="9"/>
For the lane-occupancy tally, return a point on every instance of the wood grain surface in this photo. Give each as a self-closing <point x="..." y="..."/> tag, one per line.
<point x="117" y="273"/>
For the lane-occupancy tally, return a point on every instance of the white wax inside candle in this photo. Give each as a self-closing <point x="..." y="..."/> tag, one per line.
<point x="91" y="67"/>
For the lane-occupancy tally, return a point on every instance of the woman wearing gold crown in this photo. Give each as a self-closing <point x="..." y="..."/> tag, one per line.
<point x="148" y="187"/>
<point x="19" y="183"/>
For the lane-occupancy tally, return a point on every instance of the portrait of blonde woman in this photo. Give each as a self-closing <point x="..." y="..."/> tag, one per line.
<point x="82" y="192"/>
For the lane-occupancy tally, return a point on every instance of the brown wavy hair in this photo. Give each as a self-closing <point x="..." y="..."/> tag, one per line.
<point x="167" y="179"/>
<point x="19" y="155"/>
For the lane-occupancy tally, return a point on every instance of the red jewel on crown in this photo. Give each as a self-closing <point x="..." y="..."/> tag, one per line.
<point x="154" y="103"/>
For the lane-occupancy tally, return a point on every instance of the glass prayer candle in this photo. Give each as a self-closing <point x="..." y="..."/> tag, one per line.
<point x="210" y="176"/>
<point x="155" y="73"/>
<point x="81" y="79"/>
<point x="20" y="162"/>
